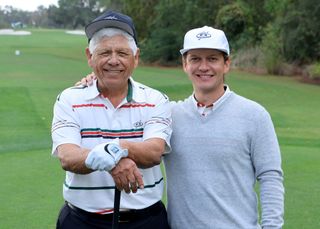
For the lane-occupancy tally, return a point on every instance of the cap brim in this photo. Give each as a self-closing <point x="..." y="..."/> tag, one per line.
<point x="95" y="26"/>
<point x="183" y="51"/>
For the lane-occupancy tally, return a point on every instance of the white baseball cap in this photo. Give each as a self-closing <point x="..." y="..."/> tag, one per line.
<point x="205" y="38"/>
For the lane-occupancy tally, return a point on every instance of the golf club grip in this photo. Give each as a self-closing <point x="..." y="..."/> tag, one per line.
<point x="116" y="209"/>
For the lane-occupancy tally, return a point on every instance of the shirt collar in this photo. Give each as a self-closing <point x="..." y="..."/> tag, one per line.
<point x="136" y="92"/>
<point x="93" y="92"/>
<point x="130" y="90"/>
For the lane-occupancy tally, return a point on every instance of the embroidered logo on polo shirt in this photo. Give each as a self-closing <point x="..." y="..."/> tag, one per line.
<point x="138" y="124"/>
<point x="203" y="35"/>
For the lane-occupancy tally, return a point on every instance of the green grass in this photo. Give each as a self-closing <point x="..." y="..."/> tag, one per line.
<point x="30" y="189"/>
<point x="50" y="60"/>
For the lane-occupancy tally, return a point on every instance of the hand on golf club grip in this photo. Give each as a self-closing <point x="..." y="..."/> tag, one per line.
<point x="127" y="176"/>
<point x="105" y="156"/>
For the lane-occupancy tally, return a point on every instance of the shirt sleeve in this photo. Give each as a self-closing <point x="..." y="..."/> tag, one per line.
<point x="65" y="124"/>
<point x="159" y="123"/>
<point x="267" y="162"/>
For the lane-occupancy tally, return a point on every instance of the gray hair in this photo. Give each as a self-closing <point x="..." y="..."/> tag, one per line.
<point x="110" y="32"/>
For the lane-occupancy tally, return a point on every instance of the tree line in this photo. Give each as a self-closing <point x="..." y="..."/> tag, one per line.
<point x="279" y="36"/>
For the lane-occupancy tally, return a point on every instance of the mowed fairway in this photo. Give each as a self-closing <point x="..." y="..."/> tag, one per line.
<point x="51" y="60"/>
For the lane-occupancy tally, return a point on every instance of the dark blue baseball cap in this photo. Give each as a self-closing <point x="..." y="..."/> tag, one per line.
<point x="112" y="19"/>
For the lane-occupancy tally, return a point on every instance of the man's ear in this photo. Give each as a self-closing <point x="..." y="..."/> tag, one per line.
<point x="136" y="58"/>
<point x="227" y="65"/>
<point x="89" y="57"/>
<point x="184" y="63"/>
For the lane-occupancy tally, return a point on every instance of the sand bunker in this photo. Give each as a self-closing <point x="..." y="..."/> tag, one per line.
<point x="75" y="32"/>
<point x="13" y="32"/>
<point x="20" y="32"/>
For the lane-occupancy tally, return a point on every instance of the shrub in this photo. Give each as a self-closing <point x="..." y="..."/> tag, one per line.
<point x="272" y="49"/>
<point x="251" y="59"/>
<point x="313" y="71"/>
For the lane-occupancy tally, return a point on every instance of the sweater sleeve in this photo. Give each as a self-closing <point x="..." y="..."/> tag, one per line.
<point x="266" y="159"/>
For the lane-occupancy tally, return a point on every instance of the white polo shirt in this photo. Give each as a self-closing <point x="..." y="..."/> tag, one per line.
<point x="84" y="117"/>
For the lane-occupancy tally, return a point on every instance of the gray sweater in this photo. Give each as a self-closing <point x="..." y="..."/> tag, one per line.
<point x="215" y="163"/>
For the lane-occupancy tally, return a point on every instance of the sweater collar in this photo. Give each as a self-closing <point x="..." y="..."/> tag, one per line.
<point x="220" y="100"/>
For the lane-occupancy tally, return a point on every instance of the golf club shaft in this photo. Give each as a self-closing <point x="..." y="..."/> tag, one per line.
<point x="116" y="209"/>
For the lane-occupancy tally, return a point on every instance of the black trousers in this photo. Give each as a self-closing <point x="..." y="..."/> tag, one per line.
<point x="74" y="219"/>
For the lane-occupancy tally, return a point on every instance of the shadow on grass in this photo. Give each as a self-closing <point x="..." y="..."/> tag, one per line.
<point x="21" y="126"/>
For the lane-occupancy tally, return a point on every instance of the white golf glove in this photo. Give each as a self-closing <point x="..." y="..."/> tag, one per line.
<point x="105" y="156"/>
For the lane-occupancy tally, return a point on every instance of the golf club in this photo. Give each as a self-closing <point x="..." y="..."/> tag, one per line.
<point x="116" y="208"/>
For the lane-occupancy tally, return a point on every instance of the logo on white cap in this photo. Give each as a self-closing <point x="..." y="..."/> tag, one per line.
<point x="203" y="35"/>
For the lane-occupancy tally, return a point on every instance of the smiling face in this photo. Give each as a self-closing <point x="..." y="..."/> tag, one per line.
<point x="206" y="69"/>
<point x="113" y="63"/>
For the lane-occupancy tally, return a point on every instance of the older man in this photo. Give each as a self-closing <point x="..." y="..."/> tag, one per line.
<point x="113" y="132"/>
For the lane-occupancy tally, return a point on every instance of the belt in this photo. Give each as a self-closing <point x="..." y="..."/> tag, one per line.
<point x="124" y="216"/>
